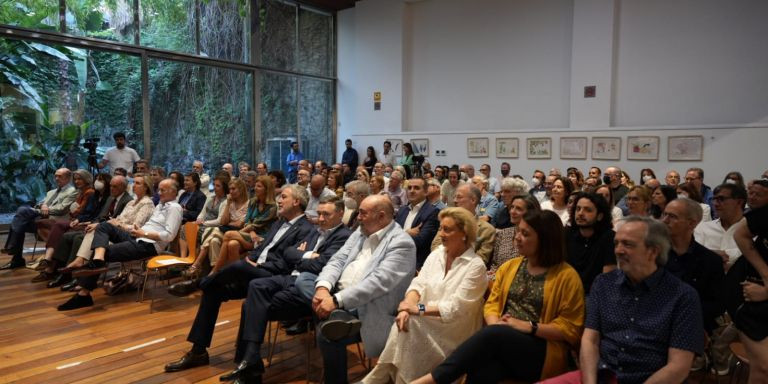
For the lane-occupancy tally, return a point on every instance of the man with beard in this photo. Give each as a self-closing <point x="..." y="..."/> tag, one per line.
<point x="590" y="238"/>
<point x="119" y="156"/>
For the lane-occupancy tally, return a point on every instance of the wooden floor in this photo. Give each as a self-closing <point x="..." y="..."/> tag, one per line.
<point x="119" y="341"/>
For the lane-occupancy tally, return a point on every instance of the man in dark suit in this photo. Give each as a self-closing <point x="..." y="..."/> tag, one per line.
<point x="266" y="260"/>
<point x="419" y="219"/>
<point x="277" y="298"/>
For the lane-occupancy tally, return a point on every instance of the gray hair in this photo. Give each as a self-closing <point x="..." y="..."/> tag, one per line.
<point x="85" y="176"/>
<point x="481" y="178"/>
<point x="299" y="193"/>
<point x="359" y="187"/>
<point x="693" y="209"/>
<point x="656" y="236"/>
<point x="515" y="184"/>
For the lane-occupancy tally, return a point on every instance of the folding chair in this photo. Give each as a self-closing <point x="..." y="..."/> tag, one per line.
<point x="165" y="261"/>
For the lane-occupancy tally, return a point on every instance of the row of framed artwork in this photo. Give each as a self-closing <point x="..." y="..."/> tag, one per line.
<point x="679" y="148"/>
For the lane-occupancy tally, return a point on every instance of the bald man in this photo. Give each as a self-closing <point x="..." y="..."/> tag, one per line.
<point x="366" y="278"/>
<point x="55" y="205"/>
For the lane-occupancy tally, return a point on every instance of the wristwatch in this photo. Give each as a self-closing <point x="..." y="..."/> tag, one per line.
<point x="534" y="327"/>
<point x="422" y="309"/>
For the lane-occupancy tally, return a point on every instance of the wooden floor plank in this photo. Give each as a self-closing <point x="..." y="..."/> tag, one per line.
<point x="36" y="339"/>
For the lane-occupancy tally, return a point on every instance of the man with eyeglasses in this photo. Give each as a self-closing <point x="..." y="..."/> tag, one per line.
<point x="695" y="176"/>
<point x="694" y="264"/>
<point x="494" y="188"/>
<point x="612" y="177"/>
<point x="672" y="178"/>
<point x="718" y="236"/>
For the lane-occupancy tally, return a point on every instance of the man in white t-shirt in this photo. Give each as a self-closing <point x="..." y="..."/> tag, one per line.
<point x="119" y="156"/>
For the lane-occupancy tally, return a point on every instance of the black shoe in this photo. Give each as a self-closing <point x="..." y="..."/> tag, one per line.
<point x="244" y="371"/>
<point x="183" y="288"/>
<point x="14" y="264"/>
<point x="248" y="379"/>
<point x="298" y="328"/>
<point x="92" y="267"/>
<point x="69" y="286"/>
<point x="59" y="281"/>
<point x="44" y="276"/>
<point x="340" y="324"/>
<point x="76" y="302"/>
<point x="189" y="360"/>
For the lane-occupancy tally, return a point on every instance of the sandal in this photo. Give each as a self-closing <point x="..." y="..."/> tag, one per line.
<point x="193" y="272"/>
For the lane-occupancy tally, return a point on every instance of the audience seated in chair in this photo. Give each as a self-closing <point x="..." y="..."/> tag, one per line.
<point x="653" y="339"/>
<point x="136" y="244"/>
<point x="535" y="314"/>
<point x="442" y="306"/>
<point x="231" y="283"/>
<point x="55" y="205"/>
<point x="467" y="196"/>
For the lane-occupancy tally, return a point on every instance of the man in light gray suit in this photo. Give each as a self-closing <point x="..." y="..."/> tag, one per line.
<point x="366" y="278"/>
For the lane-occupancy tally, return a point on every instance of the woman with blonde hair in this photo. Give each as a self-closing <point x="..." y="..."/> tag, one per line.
<point x="442" y="306"/>
<point x="262" y="212"/>
<point x="232" y="218"/>
<point x="639" y="201"/>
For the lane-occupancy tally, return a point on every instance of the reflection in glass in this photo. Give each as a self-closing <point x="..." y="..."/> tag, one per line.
<point x="315" y="43"/>
<point x="278" y="34"/>
<point x="316" y="113"/>
<point x="278" y="119"/>
<point x="198" y="113"/>
<point x="51" y="98"/>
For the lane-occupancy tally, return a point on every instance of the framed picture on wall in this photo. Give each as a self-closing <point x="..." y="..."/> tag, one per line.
<point x="573" y="147"/>
<point x="642" y="148"/>
<point x="477" y="147"/>
<point x="685" y="148"/>
<point x="397" y="147"/>
<point x="507" y="147"/>
<point x="420" y="147"/>
<point x="606" y="148"/>
<point x="539" y="148"/>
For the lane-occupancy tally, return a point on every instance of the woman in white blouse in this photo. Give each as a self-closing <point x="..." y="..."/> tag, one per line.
<point x="558" y="198"/>
<point x="136" y="212"/>
<point x="442" y="307"/>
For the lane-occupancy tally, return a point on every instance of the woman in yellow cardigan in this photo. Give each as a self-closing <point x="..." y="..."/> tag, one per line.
<point x="535" y="313"/>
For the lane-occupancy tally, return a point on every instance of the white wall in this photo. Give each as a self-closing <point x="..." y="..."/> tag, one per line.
<point x="452" y="69"/>
<point x="725" y="149"/>
<point x="687" y="62"/>
<point x="491" y="64"/>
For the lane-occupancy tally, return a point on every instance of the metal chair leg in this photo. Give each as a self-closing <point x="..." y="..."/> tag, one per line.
<point x="272" y="344"/>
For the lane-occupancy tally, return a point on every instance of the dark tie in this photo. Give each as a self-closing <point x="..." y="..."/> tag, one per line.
<point x="112" y="208"/>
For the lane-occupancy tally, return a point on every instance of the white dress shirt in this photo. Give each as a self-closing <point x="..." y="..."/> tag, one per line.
<point x="712" y="235"/>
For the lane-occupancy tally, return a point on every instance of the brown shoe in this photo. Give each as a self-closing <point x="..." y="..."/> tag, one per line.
<point x="42" y="265"/>
<point x="44" y="276"/>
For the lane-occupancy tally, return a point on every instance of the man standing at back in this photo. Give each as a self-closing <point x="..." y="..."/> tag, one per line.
<point x="349" y="156"/>
<point x="387" y="157"/>
<point x="119" y="156"/>
<point x="292" y="161"/>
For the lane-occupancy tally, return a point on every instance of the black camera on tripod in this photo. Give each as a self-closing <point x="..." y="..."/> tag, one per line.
<point x="91" y="144"/>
